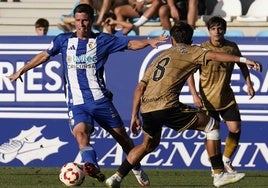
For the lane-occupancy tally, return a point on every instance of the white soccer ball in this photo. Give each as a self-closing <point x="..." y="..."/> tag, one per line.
<point x="71" y="174"/>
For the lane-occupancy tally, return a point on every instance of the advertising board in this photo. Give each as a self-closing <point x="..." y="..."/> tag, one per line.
<point x="34" y="123"/>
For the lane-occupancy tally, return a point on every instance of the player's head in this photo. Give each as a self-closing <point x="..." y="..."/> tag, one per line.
<point x="216" y="21"/>
<point x="85" y="8"/>
<point x="83" y="20"/>
<point x="182" y="32"/>
<point x="41" y="26"/>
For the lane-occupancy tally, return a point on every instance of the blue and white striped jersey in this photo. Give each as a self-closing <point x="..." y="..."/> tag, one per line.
<point x="83" y="62"/>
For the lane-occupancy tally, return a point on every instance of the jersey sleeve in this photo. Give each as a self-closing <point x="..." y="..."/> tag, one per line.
<point x="112" y="43"/>
<point x="56" y="44"/>
<point x="200" y="54"/>
<point x="119" y="33"/>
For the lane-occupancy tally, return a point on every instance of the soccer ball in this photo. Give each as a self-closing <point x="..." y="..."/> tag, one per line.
<point x="71" y="174"/>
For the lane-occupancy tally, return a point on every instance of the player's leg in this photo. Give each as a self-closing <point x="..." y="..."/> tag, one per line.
<point x="232" y="119"/>
<point x="81" y="125"/>
<point x="134" y="157"/>
<point x="127" y="144"/>
<point x="213" y="143"/>
<point x="108" y="117"/>
<point x="213" y="146"/>
<point x="216" y="116"/>
<point x="231" y="143"/>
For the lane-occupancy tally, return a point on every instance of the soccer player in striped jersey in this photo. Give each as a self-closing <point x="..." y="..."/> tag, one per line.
<point x="84" y="55"/>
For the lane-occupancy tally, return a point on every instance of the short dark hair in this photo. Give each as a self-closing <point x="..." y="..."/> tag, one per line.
<point x="84" y="8"/>
<point x="215" y="21"/>
<point x="182" y="32"/>
<point x="41" y="22"/>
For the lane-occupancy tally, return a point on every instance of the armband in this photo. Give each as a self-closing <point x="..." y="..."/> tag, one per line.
<point x="242" y="60"/>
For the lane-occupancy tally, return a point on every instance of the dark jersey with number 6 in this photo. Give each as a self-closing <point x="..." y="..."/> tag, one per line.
<point x="167" y="74"/>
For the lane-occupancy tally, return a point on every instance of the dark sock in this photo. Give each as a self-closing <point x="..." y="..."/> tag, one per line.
<point x="216" y="162"/>
<point x="137" y="167"/>
<point x="125" y="168"/>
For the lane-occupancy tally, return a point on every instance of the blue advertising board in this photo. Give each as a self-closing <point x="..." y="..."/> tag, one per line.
<point x="34" y="124"/>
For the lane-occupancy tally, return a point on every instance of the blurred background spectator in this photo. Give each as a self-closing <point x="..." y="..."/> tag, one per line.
<point x="103" y="7"/>
<point x="67" y="21"/>
<point x="138" y="12"/>
<point x="41" y="26"/>
<point x="141" y="9"/>
<point x="110" y="25"/>
<point x="178" y="10"/>
<point x="238" y="13"/>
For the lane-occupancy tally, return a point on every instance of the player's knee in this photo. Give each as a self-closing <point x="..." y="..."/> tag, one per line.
<point x="213" y="134"/>
<point x="151" y="145"/>
<point x="212" y="130"/>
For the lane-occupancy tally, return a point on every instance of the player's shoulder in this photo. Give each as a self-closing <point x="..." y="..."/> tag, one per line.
<point x="206" y="43"/>
<point x="106" y="38"/>
<point x="103" y="35"/>
<point x="64" y="36"/>
<point x="195" y="48"/>
<point x="230" y="43"/>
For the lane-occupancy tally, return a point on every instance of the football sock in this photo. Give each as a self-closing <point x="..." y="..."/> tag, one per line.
<point x="216" y="163"/>
<point x="124" y="168"/>
<point x="137" y="167"/>
<point x="231" y="144"/>
<point x="88" y="154"/>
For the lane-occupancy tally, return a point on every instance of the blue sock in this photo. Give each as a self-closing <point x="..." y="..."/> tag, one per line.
<point x="88" y="154"/>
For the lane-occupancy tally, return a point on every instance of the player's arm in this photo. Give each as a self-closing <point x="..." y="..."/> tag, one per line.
<point x="139" y="44"/>
<point x="34" y="62"/>
<point x="246" y="75"/>
<point x="224" y="57"/>
<point x="196" y="99"/>
<point x="135" y="124"/>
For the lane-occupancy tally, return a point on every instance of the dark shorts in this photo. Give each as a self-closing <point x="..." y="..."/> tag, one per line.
<point x="178" y="119"/>
<point x="229" y="114"/>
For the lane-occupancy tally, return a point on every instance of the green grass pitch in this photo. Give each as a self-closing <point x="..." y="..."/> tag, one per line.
<point x="39" y="177"/>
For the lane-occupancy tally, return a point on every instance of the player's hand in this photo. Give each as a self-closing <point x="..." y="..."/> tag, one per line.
<point x="254" y="65"/>
<point x="197" y="101"/>
<point x="154" y="41"/>
<point x="135" y="125"/>
<point x="251" y="92"/>
<point x="15" y="76"/>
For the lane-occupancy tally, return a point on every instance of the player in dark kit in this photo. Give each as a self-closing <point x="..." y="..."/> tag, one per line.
<point x="217" y="96"/>
<point x="157" y="98"/>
